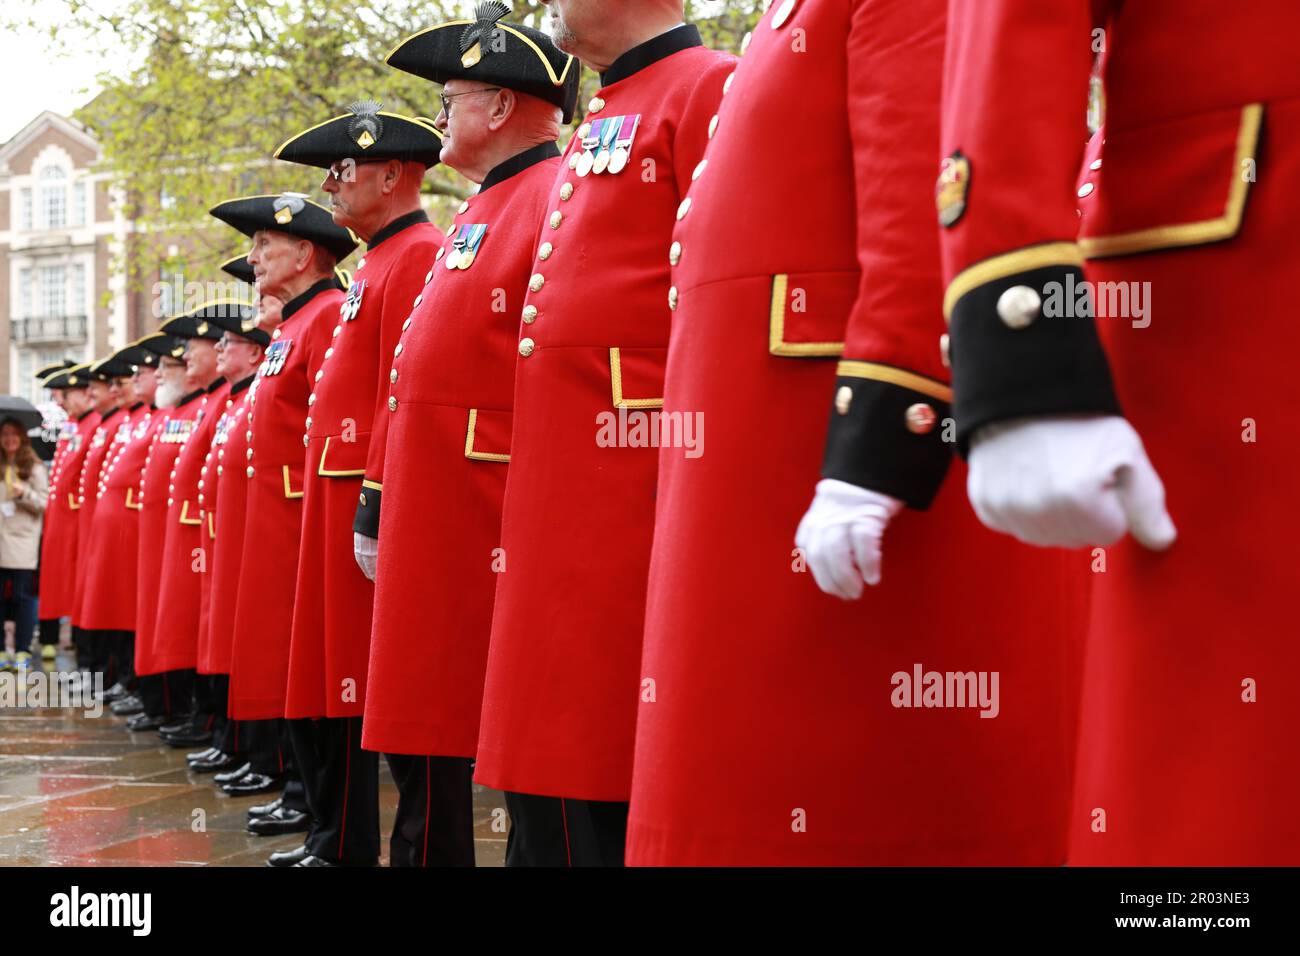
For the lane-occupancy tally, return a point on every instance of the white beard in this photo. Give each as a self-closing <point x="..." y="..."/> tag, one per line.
<point x="167" y="395"/>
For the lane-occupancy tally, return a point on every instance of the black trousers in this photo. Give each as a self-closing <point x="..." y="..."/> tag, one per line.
<point x="269" y="750"/>
<point x="435" y="811"/>
<point x="107" y="652"/>
<point x="47" y="629"/>
<point x="211" y="700"/>
<point x="557" y="831"/>
<point x="169" y="694"/>
<point x="342" y="789"/>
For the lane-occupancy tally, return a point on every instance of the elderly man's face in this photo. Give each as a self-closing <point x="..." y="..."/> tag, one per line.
<point x="466" y="129"/>
<point x="277" y="259"/>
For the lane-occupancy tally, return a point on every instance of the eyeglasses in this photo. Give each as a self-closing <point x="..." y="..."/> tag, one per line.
<point x="338" y="170"/>
<point x="446" y="100"/>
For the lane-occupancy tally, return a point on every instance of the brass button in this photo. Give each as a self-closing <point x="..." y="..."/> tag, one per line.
<point x="713" y="126"/>
<point x="407" y="324"/>
<point x="363" y="499"/>
<point x="699" y="170"/>
<point x="248" y="436"/>
<point x="428" y="276"/>
<point x="744" y="43"/>
<point x="418" y="299"/>
<point x="943" y="351"/>
<point x="783" y="13"/>
<point x="304" y="445"/>
<point x="311" y="399"/>
<point x="308" y="423"/>
<point x="843" y="399"/>
<point x="596" y="105"/>
<point x="920" y="419"/>
<point x="451" y="230"/>
<point x="392" y="403"/>
<point x="1095" y="164"/>
<point x="218" y="471"/>
<point x="726" y="87"/>
<point x="556" y="218"/>
<point x="672" y="298"/>
<point x="320" y="375"/>
<point x="526" y="347"/>
<point x="438" y="258"/>
<point x="573" y="159"/>
<point x="684" y="208"/>
<point x="275" y="334"/>
<point x="530" y="314"/>
<point x="249" y="454"/>
<point x="1018" y="306"/>
<point x="337" y="330"/>
<point x="536" y="282"/>
<point x="583" y="131"/>
<point x="398" y="350"/>
<point x="1085" y="190"/>
<point x="545" y="251"/>
<point x="392" y="376"/>
<point x="675" y="253"/>
<point x="464" y="208"/>
<point x="566" y="192"/>
<point x="329" y="352"/>
<point x="250" y="471"/>
<point x="362" y="263"/>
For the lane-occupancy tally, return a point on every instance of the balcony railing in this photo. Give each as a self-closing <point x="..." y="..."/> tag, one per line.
<point x="50" y="330"/>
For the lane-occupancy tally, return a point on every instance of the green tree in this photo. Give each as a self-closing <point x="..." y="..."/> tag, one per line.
<point x="221" y="83"/>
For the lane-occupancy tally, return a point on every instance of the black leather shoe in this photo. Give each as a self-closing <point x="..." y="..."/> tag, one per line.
<point x="252" y="784"/>
<point x="190" y="739"/>
<point x="176" y="724"/>
<point x="263" y="809"/>
<point x="220" y="761"/>
<point x="116" y="692"/>
<point x="127" y="706"/>
<point x="207" y="753"/>
<point x="143" y="721"/>
<point x="280" y="821"/>
<point x="232" y="775"/>
<point x="288" y="857"/>
<point x="316" y="861"/>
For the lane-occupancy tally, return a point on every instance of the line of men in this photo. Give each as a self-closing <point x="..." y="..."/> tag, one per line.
<point x="420" y="547"/>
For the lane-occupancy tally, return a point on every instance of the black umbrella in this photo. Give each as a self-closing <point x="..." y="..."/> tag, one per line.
<point x="21" y="410"/>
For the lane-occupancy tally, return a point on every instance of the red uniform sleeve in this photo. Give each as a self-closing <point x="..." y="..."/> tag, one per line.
<point x="1014" y="131"/>
<point x="892" y="393"/>
<point x="404" y="283"/>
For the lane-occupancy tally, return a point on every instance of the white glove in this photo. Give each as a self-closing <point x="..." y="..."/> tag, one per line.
<point x="366" y="550"/>
<point x="1067" y="482"/>
<point x="840" y="536"/>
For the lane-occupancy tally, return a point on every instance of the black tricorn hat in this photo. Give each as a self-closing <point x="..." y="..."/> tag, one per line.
<point x="74" y="376"/>
<point x="107" y="369"/>
<point x="201" y="323"/>
<point x="164" y="345"/>
<point x="242" y="323"/>
<point x="364" y="132"/>
<point x="49" y="370"/>
<point x="239" y="267"/>
<point x="487" y="50"/>
<point x="291" y="213"/>
<point x="138" y="353"/>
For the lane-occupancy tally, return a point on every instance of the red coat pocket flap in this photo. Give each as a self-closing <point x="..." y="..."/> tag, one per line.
<point x="1181" y="182"/>
<point x="809" y="312"/>
<point x="636" y="377"/>
<point x="344" y="459"/>
<point x="487" y="438"/>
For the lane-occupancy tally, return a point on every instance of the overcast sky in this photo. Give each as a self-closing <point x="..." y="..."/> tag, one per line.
<point x="32" y="81"/>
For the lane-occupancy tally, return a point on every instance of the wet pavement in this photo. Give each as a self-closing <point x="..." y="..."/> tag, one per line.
<point x="77" y="790"/>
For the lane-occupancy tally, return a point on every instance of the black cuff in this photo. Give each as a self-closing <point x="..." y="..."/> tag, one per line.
<point x="889" y="439"/>
<point x="367" y="520"/>
<point x="1054" y="365"/>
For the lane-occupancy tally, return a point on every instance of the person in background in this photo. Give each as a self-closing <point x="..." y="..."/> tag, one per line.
<point x="22" y="506"/>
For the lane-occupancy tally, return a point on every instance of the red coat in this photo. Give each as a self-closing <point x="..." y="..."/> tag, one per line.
<point x="173" y="427"/>
<point x="222" y="500"/>
<point x="58" y="591"/>
<point x="259" y="663"/>
<point x="331" y="615"/>
<point x="109" y="590"/>
<point x="440" y="472"/>
<point x="101" y="445"/>
<point x="1194" y="196"/>
<point x="176" y="639"/>
<point x="559" y="704"/>
<point x="762" y="696"/>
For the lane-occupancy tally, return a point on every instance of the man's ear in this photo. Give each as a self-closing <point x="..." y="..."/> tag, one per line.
<point x="303" y="259"/>
<point x="392" y="175"/>
<point x="503" y="108"/>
